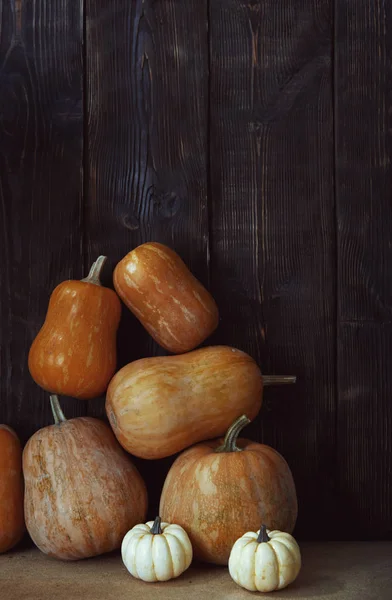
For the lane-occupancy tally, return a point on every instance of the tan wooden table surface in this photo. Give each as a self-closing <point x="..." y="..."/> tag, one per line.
<point x="332" y="571"/>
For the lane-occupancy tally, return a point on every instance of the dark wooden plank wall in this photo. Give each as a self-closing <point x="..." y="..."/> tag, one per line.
<point x="364" y="217"/>
<point x="273" y="223"/>
<point x="254" y="138"/>
<point x="146" y="171"/>
<point x="41" y="167"/>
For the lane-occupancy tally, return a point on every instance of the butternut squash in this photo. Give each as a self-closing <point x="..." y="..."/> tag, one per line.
<point x="74" y="353"/>
<point x="159" y="406"/>
<point x="174" y="307"/>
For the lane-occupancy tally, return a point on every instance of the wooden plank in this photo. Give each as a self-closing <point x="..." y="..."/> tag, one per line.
<point x="41" y="133"/>
<point x="147" y="84"/>
<point x="364" y="210"/>
<point x="273" y="224"/>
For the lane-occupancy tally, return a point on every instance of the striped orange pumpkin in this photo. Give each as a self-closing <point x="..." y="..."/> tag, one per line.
<point x="82" y="492"/>
<point x="217" y="492"/>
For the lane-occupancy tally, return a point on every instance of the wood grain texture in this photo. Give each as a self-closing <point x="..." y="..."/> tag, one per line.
<point x="364" y="211"/>
<point x="273" y="224"/>
<point x="210" y="125"/>
<point x="41" y="127"/>
<point x="147" y="86"/>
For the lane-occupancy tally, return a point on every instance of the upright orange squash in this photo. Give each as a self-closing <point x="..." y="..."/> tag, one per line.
<point x="168" y="300"/>
<point x="218" y="490"/>
<point x="12" y="524"/>
<point x="74" y="353"/>
<point x="82" y="492"/>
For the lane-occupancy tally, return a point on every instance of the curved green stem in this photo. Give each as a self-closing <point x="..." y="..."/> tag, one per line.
<point x="95" y="271"/>
<point x="156" y="528"/>
<point x="58" y="414"/>
<point x="229" y="445"/>
<point x="263" y="535"/>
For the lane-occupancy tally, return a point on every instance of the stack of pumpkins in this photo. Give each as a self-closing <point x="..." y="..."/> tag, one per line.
<point x="82" y="492"/>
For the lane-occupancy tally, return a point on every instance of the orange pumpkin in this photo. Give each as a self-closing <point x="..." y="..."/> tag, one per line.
<point x="12" y="524"/>
<point x="74" y="353"/>
<point x="168" y="300"/>
<point x="218" y="492"/>
<point x="159" y="406"/>
<point x="82" y="492"/>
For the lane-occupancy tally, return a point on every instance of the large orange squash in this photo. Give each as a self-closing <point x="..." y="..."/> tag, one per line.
<point x="74" y="353"/>
<point x="218" y="492"/>
<point x="82" y="492"/>
<point x="12" y="524"/>
<point x="159" y="406"/>
<point x="168" y="300"/>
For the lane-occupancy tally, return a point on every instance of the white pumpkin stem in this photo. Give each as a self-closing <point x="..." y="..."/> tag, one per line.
<point x="230" y="443"/>
<point x="156" y="528"/>
<point x="58" y="414"/>
<point x="263" y="535"/>
<point x="279" y="379"/>
<point x="95" y="271"/>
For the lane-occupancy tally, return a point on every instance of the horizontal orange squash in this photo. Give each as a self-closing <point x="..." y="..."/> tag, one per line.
<point x="12" y="524"/>
<point x="219" y="490"/>
<point x="159" y="406"/>
<point x="172" y="305"/>
<point x="74" y="353"/>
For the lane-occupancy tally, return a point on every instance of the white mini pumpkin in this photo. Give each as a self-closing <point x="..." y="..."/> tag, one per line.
<point x="156" y="551"/>
<point x="265" y="561"/>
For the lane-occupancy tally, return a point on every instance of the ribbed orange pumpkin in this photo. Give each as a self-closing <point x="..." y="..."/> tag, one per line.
<point x="168" y="300"/>
<point x="82" y="492"/>
<point x="218" y="492"/>
<point x="12" y="524"/>
<point x="74" y="353"/>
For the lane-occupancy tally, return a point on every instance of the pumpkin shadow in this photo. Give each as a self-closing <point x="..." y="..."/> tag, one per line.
<point x="311" y="582"/>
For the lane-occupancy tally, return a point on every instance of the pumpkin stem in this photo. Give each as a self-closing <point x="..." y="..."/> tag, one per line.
<point x="263" y="535"/>
<point x="58" y="414"/>
<point x="229" y="445"/>
<point x="95" y="271"/>
<point x="278" y="379"/>
<point x="156" y="528"/>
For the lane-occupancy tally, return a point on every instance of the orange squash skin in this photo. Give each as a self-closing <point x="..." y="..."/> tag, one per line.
<point x="82" y="492"/>
<point x="74" y="353"/>
<point x="217" y="497"/>
<point x="12" y="524"/>
<point x="161" y="405"/>
<point x="174" y="307"/>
